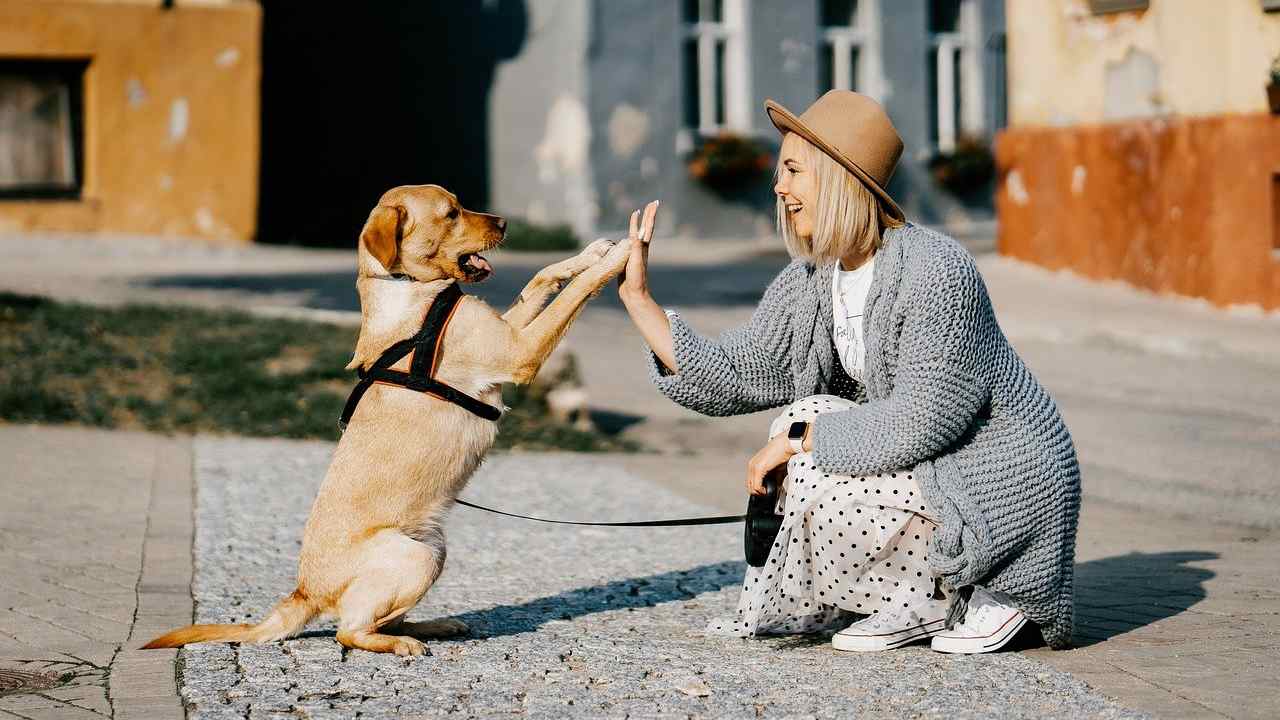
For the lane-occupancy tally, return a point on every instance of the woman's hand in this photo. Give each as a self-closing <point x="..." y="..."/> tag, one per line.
<point x="633" y="290"/>
<point x="767" y="460"/>
<point x="633" y="283"/>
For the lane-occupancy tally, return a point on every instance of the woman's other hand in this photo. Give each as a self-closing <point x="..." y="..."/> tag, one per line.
<point x="770" y="458"/>
<point x="633" y="283"/>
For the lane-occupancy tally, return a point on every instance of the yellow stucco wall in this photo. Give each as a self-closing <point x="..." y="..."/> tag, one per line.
<point x="170" y="110"/>
<point x="1211" y="57"/>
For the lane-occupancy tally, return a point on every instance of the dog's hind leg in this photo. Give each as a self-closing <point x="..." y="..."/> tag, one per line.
<point x="394" y="575"/>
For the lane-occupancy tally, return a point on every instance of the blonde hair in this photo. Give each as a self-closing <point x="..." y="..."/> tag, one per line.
<point x="847" y="215"/>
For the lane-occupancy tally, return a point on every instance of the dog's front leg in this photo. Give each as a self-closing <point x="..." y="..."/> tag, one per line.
<point x="549" y="280"/>
<point x="543" y="333"/>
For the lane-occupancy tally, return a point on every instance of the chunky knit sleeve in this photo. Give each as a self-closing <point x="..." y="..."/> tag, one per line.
<point x="745" y="369"/>
<point x="946" y="337"/>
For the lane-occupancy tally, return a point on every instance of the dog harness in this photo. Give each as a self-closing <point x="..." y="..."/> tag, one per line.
<point x="425" y="347"/>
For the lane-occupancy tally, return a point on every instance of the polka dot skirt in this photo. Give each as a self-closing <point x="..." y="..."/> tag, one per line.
<point x="848" y="546"/>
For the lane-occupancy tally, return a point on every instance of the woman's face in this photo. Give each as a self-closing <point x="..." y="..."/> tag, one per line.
<point x="797" y="185"/>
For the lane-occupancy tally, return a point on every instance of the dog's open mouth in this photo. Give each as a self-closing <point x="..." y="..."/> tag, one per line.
<point x="475" y="266"/>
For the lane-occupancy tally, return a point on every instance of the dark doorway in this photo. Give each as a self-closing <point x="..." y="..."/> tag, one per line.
<point x="360" y="97"/>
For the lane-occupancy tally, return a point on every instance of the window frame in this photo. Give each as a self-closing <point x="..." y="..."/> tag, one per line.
<point x="72" y="71"/>
<point x="966" y="43"/>
<point x="839" y="40"/>
<point x="735" y="81"/>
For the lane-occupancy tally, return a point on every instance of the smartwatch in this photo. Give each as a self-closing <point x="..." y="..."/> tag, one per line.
<point x="795" y="435"/>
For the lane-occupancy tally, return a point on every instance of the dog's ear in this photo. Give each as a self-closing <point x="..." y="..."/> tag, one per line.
<point x="381" y="234"/>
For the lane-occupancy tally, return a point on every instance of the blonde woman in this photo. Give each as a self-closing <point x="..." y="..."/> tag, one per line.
<point x="931" y="489"/>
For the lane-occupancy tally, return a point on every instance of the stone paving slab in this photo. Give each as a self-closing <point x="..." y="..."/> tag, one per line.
<point x="95" y="543"/>
<point x="566" y="622"/>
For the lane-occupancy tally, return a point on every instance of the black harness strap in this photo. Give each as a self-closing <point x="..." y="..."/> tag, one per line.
<point x="425" y="346"/>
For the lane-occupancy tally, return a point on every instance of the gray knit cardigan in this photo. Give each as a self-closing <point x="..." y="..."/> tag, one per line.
<point x="946" y="394"/>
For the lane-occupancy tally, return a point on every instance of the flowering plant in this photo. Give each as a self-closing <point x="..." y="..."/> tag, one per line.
<point x="728" y="162"/>
<point x="969" y="167"/>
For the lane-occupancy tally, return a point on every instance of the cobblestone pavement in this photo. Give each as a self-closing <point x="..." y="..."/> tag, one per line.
<point x="566" y="622"/>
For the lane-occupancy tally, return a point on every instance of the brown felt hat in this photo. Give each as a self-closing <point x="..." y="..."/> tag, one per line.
<point x="855" y="131"/>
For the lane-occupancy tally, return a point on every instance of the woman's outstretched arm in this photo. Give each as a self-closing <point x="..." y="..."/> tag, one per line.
<point x="633" y="289"/>
<point x="741" y="371"/>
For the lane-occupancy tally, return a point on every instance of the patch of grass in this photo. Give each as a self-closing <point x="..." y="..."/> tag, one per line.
<point x="524" y="235"/>
<point x="178" y="369"/>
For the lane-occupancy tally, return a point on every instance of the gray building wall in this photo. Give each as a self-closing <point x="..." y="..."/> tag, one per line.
<point x="587" y="121"/>
<point x="539" y="128"/>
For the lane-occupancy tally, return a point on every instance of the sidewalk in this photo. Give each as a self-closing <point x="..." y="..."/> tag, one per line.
<point x="95" y="539"/>
<point x="1175" y="618"/>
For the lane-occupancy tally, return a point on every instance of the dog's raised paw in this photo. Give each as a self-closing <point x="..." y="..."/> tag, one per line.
<point x="596" y="250"/>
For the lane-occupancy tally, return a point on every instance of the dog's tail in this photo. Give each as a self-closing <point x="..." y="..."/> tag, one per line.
<point x="287" y="619"/>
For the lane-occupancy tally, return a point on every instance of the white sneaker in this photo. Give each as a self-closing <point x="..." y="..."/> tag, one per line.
<point x="886" y="631"/>
<point x="989" y="624"/>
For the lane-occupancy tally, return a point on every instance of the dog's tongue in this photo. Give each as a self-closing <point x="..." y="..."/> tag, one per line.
<point x="479" y="263"/>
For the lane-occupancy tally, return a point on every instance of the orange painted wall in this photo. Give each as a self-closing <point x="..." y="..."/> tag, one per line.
<point x="146" y="171"/>
<point x="1182" y="206"/>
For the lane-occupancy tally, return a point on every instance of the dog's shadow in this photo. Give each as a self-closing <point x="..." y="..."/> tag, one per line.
<point x="629" y="593"/>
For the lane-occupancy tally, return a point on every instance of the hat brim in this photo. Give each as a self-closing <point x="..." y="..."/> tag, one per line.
<point x="786" y="121"/>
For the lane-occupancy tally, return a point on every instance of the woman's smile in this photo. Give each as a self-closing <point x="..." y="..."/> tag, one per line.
<point x="795" y="187"/>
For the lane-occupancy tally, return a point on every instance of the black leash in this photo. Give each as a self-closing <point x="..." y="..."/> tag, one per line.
<point x="716" y="520"/>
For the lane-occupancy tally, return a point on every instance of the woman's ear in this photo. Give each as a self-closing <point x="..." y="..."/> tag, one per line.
<point x="381" y="234"/>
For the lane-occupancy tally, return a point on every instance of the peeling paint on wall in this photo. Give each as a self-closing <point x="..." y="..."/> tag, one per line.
<point x="565" y="143"/>
<point x="135" y="94"/>
<point x="1017" y="190"/>
<point x="1078" y="175"/>
<point x="227" y="58"/>
<point x="1133" y="87"/>
<point x="179" y="119"/>
<point x="628" y="130"/>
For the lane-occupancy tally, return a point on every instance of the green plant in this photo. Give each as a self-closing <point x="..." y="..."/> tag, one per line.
<point x="729" y="162"/>
<point x="968" y="168"/>
<point x="524" y="235"/>
<point x="1275" y="71"/>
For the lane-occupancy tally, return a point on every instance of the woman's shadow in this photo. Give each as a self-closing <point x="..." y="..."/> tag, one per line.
<point x="1118" y="594"/>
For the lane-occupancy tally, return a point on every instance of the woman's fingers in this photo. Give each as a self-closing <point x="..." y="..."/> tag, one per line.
<point x="650" y="216"/>
<point x="635" y="225"/>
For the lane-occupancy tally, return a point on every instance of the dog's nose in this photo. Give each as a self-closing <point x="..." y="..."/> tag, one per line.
<point x="502" y="223"/>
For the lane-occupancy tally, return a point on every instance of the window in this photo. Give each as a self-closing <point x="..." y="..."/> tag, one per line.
<point x="715" y="72"/>
<point x="955" y="71"/>
<point x="849" y="56"/>
<point x="41" y="128"/>
<point x="1102" y="7"/>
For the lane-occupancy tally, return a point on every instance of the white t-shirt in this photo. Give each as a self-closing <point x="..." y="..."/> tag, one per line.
<point x="849" y="290"/>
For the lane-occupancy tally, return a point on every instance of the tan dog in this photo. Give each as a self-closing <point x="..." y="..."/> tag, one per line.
<point x="374" y="542"/>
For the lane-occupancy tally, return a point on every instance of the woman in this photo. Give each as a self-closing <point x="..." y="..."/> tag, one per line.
<point x="930" y="483"/>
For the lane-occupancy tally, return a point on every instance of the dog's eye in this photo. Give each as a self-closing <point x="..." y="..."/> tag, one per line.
<point x="453" y="213"/>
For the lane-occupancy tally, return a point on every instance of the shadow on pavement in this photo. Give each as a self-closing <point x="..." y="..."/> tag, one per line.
<point x="615" y="595"/>
<point x="737" y="284"/>
<point x="1121" y="593"/>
